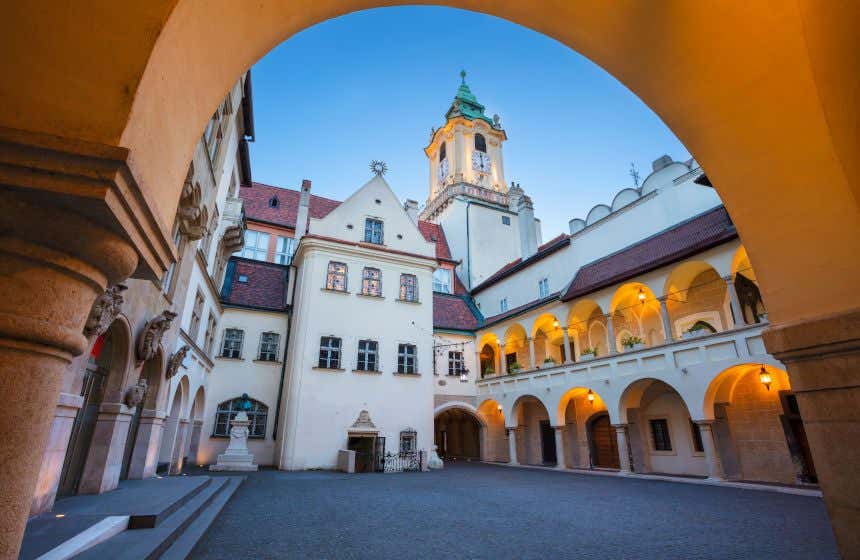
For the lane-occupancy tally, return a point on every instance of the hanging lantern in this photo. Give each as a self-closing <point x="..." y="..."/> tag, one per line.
<point x="765" y="377"/>
<point x="590" y="397"/>
<point x="555" y="324"/>
<point x="641" y="295"/>
<point x="500" y="409"/>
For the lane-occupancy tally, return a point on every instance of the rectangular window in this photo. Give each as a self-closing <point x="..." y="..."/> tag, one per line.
<point x="285" y="249"/>
<point x="329" y="352"/>
<point x="256" y="245"/>
<point x="506" y="220"/>
<point x="371" y="282"/>
<point x="206" y="242"/>
<point x="373" y="231"/>
<point x="232" y="347"/>
<point x="407" y="358"/>
<point x="503" y="305"/>
<point x="455" y="364"/>
<point x="442" y="280"/>
<point x="543" y="288"/>
<point x="269" y="347"/>
<point x="196" y="315"/>
<point x="698" y="446"/>
<point x="368" y="355"/>
<point x="211" y="327"/>
<point x="336" y="277"/>
<point x="660" y="434"/>
<point x="408" y="287"/>
<point x="407" y="442"/>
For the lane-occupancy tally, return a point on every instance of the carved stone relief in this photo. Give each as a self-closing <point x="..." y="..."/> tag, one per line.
<point x="105" y="309"/>
<point x="150" y="337"/>
<point x="175" y="361"/>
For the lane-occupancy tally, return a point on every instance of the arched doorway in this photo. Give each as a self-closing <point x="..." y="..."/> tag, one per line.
<point x="602" y="442"/>
<point x="105" y="368"/>
<point x="172" y="429"/>
<point x="458" y="434"/>
<point x="196" y="425"/>
<point x="536" y="444"/>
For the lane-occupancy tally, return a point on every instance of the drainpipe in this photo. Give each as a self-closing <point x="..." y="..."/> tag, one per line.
<point x="286" y="350"/>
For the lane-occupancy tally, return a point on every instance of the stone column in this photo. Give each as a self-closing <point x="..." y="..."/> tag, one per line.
<point x="51" y="467"/>
<point x="610" y="334"/>
<point x="503" y="363"/>
<point x="512" y="446"/>
<point x="623" y="455"/>
<point x="177" y="459"/>
<point x="73" y="221"/>
<point x="664" y="316"/>
<point x="823" y="360"/>
<point x="194" y="445"/>
<point x="144" y="458"/>
<point x="735" y="302"/>
<point x="568" y="351"/>
<point x="560" y="462"/>
<point x="712" y="455"/>
<point x="104" y="460"/>
<point x="531" y="353"/>
<point x="478" y="365"/>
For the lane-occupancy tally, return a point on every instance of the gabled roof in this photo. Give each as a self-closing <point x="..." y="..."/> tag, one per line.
<point x="255" y="284"/>
<point x="548" y="248"/>
<point x="452" y="312"/>
<point x="692" y="236"/>
<point x="435" y="234"/>
<point x="256" y="199"/>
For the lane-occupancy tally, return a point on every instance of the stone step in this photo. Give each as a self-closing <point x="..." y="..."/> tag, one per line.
<point x="151" y="543"/>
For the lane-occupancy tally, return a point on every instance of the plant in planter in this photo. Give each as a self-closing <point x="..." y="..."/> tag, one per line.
<point x="515" y="368"/>
<point x="697" y="330"/>
<point x="549" y="361"/>
<point x="588" y="353"/>
<point x="632" y="343"/>
<point x="489" y="371"/>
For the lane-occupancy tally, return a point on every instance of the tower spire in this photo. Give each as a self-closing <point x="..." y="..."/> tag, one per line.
<point x="463" y="77"/>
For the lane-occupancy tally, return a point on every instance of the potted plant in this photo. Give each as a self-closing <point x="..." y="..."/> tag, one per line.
<point x="515" y="368"/>
<point x="488" y="371"/>
<point x="587" y="354"/>
<point x="762" y="317"/>
<point x="695" y="331"/>
<point x="548" y="362"/>
<point x="632" y="343"/>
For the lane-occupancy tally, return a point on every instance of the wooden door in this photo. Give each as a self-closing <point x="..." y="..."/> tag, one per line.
<point x="604" y="444"/>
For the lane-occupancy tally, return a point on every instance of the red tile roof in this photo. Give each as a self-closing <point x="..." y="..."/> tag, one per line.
<point x="544" y="250"/>
<point x="454" y="313"/>
<point x="265" y="288"/>
<point x="256" y="197"/>
<point x="435" y="234"/>
<point x="695" y="235"/>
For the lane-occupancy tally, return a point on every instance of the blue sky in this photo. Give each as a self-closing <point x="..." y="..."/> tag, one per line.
<point x="370" y="85"/>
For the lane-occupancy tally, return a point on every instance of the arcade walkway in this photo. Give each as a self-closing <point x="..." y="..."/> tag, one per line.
<point x="483" y="511"/>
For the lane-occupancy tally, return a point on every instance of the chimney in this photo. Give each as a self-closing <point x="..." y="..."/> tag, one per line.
<point x="514" y="195"/>
<point x="528" y="232"/>
<point x="661" y="162"/>
<point x="302" y="214"/>
<point x="411" y="207"/>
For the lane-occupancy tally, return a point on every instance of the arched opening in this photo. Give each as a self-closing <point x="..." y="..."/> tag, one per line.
<point x="757" y="426"/>
<point x="587" y="329"/>
<point x="105" y="371"/>
<point x="636" y="317"/>
<point x="517" y="354"/>
<point x="480" y="143"/>
<point x="747" y="289"/>
<point x="141" y="436"/>
<point x="458" y="434"/>
<point x="548" y="338"/>
<point x="495" y="444"/>
<point x="697" y="298"/>
<point x="443" y="151"/>
<point x="536" y="444"/>
<point x="661" y="433"/>
<point x="195" y="418"/>
<point x="488" y="354"/>
<point x="174" y="424"/>
<point x="583" y="447"/>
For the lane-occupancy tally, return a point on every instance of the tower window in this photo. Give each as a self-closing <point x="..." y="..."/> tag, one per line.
<point x="442" y="151"/>
<point x="480" y="143"/>
<point x="543" y="288"/>
<point x="506" y="220"/>
<point x="503" y="305"/>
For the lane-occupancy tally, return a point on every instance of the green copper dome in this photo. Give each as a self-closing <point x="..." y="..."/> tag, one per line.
<point x="466" y="104"/>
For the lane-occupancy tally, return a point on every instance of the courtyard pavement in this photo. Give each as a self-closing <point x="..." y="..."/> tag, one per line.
<point x="481" y="511"/>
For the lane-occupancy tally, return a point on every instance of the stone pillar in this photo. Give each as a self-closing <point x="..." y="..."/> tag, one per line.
<point x="560" y="462"/>
<point x="512" y="446"/>
<point x="610" y="334"/>
<point x="823" y="360"/>
<point x="503" y="363"/>
<point x="664" y="316"/>
<point x="531" y="353"/>
<point x="177" y="459"/>
<point x="194" y="444"/>
<point x="104" y="460"/>
<point x="51" y="467"/>
<point x="623" y="455"/>
<point x="73" y="221"/>
<point x="478" y="365"/>
<point x="735" y="302"/>
<point x="568" y="351"/>
<point x="712" y="455"/>
<point x="144" y="458"/>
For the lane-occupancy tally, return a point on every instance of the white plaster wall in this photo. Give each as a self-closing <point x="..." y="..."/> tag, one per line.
<point x="682" y="459"/>
<point x="452" y="385"/>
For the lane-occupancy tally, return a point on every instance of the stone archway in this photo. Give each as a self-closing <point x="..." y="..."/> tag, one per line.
<point x="459" y="433"/>
<point x="153" y="102"/>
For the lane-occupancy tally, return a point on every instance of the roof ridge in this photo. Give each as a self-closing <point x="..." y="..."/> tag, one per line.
<point x="291" y="189"/>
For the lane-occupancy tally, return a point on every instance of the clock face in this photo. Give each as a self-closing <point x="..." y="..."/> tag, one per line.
<point x="481" y="162"/>
<point x="442" y="170"/>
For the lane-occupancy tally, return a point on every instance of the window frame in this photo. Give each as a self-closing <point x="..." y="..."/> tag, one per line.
<point x="443" y="152"/>
<point x="543" y="288"/>
<point x="370" y="231"/>
<point x="665" y="445"/>
<point x="503" y="305"/>
<point x="227" y="410"/>
<point x="407" y="359"/>
<point x="506" y="220"/>
<point x="225" y="340"/>
<point x="483" y="147"/>
<point x="447" y="286"/>
<point x="285" y="249"/>
<point x="273" y="352"/>
<point x="456" y="363"/>
<point x="332" y="276"/>
<point x="255" y="249"/>
<point x="367" y="357"/>
<point x="333" y="352"/>
<point x="367" y="280"/>
<point x="408" y="291"/>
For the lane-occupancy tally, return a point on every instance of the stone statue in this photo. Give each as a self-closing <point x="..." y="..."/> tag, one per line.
<point x="135" y="394"/>
<point x="105" y="309"/>
<point x="175" y="361"/>
<point x="434" y="462"/>
<point x="150" y="337"/>
<point x="236" y="457"/>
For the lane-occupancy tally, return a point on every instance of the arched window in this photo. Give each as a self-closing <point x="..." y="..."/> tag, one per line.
<point x="480" y="143"/>
<point x="442" y="152"/>
<point x="273" y="202"/>
<point x="227" y="410"/>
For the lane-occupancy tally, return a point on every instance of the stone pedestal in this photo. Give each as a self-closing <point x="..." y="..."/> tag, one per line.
<point x="104" y="461"/>
<point x="144" y="458"/>
<point x="434" y="462"/>
<point x="67" y="409"/>
<point x="236" y="457"/>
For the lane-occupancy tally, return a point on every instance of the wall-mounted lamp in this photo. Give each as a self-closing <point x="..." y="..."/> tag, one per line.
<point x="500" y="409"/>
<point x="765" y="377"/>
<point x="641" y="295"/>
<point x="590" y="397"/>
<point x="555" y="324"/>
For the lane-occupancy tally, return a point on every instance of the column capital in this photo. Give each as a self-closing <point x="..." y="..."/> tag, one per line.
<point x="729" y="278"/>
<point x="704" y="423"/>
<point x="619" y="426"/>
<point x="663" y="299"/>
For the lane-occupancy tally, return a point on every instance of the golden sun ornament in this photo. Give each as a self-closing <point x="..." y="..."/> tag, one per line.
<point x="379" y="167"/>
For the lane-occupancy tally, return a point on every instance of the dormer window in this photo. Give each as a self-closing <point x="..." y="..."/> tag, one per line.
<point x="442" y="152"/>
<point x="480" y="143"/>
<point x="373" y="231"/>
<point x="273" y="202"/>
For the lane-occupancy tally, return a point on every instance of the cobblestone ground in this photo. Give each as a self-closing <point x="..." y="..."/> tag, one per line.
<point x="484" y="511"/>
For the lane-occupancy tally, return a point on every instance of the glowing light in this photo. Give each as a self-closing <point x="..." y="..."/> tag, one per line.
<point x="641" y="295"/>
<point x="59" y="515"/>
<point x="590" y="397"/>
<point x="500" y="408"/>
<point x="555" y="324"/>
<point x="765" y="377"/>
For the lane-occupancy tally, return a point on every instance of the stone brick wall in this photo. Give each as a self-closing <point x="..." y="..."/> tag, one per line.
<point x="707" y="292"/>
